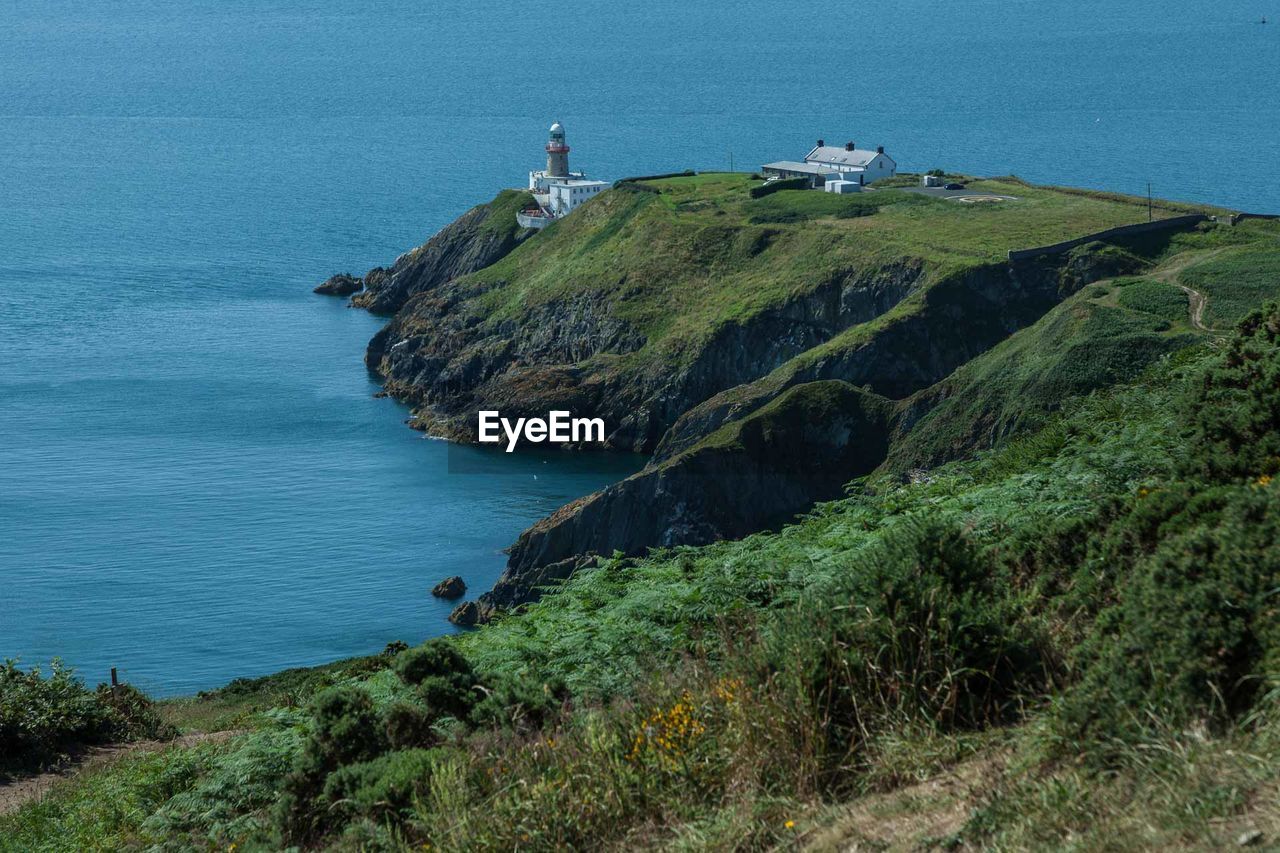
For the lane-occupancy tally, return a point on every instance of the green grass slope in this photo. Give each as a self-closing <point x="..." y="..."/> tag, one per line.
<point x="678" y="263"/>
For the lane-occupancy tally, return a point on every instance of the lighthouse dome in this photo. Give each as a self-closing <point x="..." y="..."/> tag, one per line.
<point x="557" y="128"/>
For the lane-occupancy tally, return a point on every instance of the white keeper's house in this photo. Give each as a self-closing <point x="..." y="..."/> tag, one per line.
<point x="830" y="163"/>
<point x="556" y="190"/>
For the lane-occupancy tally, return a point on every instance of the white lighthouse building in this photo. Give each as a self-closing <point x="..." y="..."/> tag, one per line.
<point x="556" y="189"/>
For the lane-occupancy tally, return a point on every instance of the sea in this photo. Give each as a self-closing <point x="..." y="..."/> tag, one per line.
<point x="196" y="479"/>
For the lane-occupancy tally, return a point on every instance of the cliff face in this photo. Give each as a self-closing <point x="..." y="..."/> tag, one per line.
<point x="751" y="475"/>
<point x="478" y="238"/>
<point x="439" y="355"/>
<point x="940" y="328"/>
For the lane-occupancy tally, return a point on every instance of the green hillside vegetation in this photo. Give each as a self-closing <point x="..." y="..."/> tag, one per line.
<point x="1106" y="334"/>
<point x="1235" y="280"/>
<point x="1086" y="616"/>
<point x="1070" y="639"/>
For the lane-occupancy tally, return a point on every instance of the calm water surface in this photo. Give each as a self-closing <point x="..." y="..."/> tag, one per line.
<point x="195" y="480"/>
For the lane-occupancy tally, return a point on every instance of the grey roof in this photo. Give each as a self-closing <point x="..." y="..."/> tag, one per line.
<point x="793" y="166"/>
<point x="836" y="155"/>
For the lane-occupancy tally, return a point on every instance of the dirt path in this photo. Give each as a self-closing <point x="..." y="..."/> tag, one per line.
<point x="1197" y="302"/>
<point x="18" y="792"/>
<point x="912" y="817"/>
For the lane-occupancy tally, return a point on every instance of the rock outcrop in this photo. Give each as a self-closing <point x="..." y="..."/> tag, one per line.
<point x="342" y="284"/>
<point x="478" y="238"/>
<point x="450" y="587"/>
<point x="465" y="614"/>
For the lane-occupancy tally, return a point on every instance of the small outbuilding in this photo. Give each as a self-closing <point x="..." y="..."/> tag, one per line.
<point x="843" y="187"/>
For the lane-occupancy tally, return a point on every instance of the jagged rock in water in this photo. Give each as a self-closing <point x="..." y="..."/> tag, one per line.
<point x="342" y="284"/>
<point x="465" y="614"/>
<point x="451" y="587"/>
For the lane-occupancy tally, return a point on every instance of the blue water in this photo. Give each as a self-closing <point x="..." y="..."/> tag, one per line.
<point x="195" y="480"/>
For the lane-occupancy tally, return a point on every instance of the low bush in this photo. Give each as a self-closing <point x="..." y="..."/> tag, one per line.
<point x="237" y="785"/>
<point x="43" y="718"/>
<point x="1234" y="425"/>
<point x="345" y="730"/>
<point x="924" y="628"/>
<point x="381" y="789"/>
<point x="775" y="186"/>
<point x="687" y="173"/>
<point x="1152" y="297"/>
<point x="520" y="704"/>
<point x="443" y="678"/>
<point x="1195" y="634"/>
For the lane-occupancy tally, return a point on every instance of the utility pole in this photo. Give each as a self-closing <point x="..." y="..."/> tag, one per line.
<point x="730" y="161"/>
<point x="1148" y="201"/>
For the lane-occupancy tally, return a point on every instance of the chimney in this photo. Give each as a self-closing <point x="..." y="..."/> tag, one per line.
<point x="821" y="142"/>
<point x="879" y="149"/>
<point x="848" y="146"/>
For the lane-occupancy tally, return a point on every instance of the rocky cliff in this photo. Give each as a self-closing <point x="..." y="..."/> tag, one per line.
<point x="478" y="238"/>
<point x="440" y="355"/>
<point x="751" y="475"/>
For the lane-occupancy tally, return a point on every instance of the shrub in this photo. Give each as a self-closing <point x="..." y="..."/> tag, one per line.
<point x="926" y="630"/>
<point x="775" y="186"/>
<point x="381" y="788"/>
<point x="443" y="677"/>
<point x="345" y="730"/>
<point x="1234" y="420"/>
<point x="42" y="718"/>
<point x="435" y="658"/>
<point x="409" y="725"/>
<point x="520" y="704"/>
<point x="1195" y="634"/>
<point x="236" y="786"/>
<point x="687" y="173"/>
<point x="1152" y="297"/>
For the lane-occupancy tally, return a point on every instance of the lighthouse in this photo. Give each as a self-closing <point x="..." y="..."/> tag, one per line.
<point x="557" y="153"/>
<point x="557" y="192"/>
